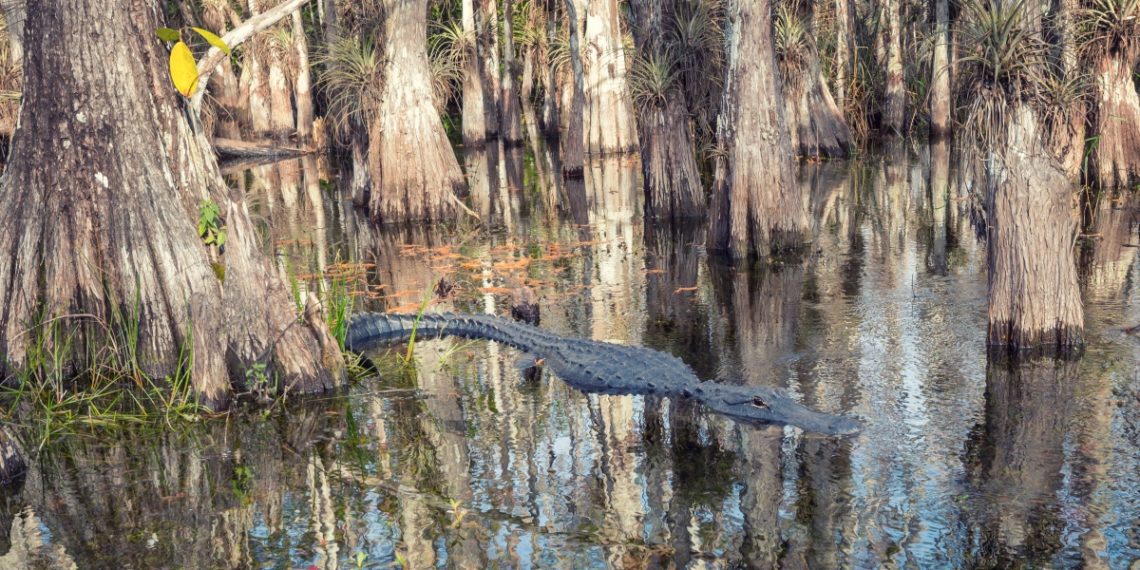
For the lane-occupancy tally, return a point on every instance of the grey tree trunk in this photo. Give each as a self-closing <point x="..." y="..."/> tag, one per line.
<point x="573" y="141"/>
<point x="894" y="95"/>
<point x="672" y="181"/>
<point x="109" y="239"/>
<point x="511" y="129"/>
<point x="487" y="26"/>
<point x="844" y="49"/>
<point x="940" y="69"/>
<point x="757" y="206"/>
<point x="415" y="174"/>
<point x="1035" y="300"/>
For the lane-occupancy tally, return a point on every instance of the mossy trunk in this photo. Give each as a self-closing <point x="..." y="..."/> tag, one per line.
<point x="108" y="249"/>
<point x="414" y="172"/>
<point x="1115" y="120"/>
<point x="757" y="207"/>
<point x="1035" y="300"/>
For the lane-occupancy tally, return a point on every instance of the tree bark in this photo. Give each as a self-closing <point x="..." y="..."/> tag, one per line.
<point x="757" y="207"/>
<point x="815" y="122"/>
<point x="844" y="49"/>
<point x="894" y="96"/>
<point x="940" y="70"/>
<point x="511" y="130"/>
<point x="487" y="25"/>
<point x="108" y="239"/>
<point x="609" y="114"/>
<point x="1115" y="120"/>
<point x="573" y="141"/>
<point x="415" y="174"/>
<point x="672" y="180"/>
<point x="302" y="84"/>
<point x="1035" y="300"/>
<point x="15" y="12"/>
<point x="474" y="100"/>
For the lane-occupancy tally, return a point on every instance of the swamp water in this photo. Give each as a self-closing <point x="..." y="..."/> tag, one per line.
<point x="466" y="461"/>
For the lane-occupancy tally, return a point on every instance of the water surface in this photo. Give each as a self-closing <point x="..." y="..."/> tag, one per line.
<point x="465" y="461"/>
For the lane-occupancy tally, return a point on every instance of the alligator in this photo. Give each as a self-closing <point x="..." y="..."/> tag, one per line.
<point x="600" y="367"/>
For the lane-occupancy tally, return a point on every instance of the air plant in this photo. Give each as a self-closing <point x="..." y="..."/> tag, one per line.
<point x="352" y="77"/>
<point x="652" y="80"/>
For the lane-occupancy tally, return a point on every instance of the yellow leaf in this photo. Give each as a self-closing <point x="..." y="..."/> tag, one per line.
<point x="183" y="69"/>
<point x="213" y="40"/>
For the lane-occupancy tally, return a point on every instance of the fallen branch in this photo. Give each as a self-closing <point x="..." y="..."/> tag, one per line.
<point x="234" y="38"/>
<point x="230" y="148"/>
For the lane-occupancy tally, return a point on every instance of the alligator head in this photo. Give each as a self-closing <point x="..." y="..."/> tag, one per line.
<point x="767" y="405"/>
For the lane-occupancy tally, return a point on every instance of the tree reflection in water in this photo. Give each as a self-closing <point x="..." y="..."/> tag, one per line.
<point x="462" y="461"/>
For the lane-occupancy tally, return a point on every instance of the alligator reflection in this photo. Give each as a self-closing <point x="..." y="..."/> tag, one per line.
<point x="463" y="462"/>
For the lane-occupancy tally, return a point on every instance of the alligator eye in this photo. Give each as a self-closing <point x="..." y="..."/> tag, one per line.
<point x="756" y="401"/>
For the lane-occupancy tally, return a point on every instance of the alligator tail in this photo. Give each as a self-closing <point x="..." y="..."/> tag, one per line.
<point x="369" y="330"/>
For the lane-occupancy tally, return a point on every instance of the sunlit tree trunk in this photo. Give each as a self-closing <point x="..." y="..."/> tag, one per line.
<point x="224" y="82"/>
<point x="474" y="100"/>
<point x="1115" y="121"/>
<point x="1031" y="230"/>
<point x="844" y="49"/>
<point x="894" y="95"/>
<point x="414" y="171"/>
<point x="109" y="239"/>
<point x="757" y="208"/>
<point x="302" y="85"/>
<point x="609" y="113"/>
<point x="940" y="69"/>
<point x="15" y="12"/>
<point x="672" y="180"/>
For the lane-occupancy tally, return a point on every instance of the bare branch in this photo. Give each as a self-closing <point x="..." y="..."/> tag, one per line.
<point x="236" y="37"/>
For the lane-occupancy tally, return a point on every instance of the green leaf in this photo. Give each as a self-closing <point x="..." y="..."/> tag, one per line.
<point x="183" y="69"/>
<point x="201" y="228"/>
<point x="220" y="239"/>
<point x="213" y="40"/>
<point x="168" y="34"/>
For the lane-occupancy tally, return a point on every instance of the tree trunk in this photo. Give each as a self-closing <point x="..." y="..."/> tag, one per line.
<point x="511" y="130"/>
<point x="474" y="100"/>
<point x="573" y="141"/>
<point x="487" y="25"/>
<point x="1115" y="120"/>
<point x="815" y="122"/>
<point x="844" y="49"/>
<point x="224" y="84"/>
<point x="609" y="114"/>
<point x="414" y="172"/>
<point x="672" y="180"/>
<point x="109" y="245"/>
<point x="15" y="12"/>
<point x="940" y="70"/>
<point x="894" y="95"/>
<point x="757" y="207"/>
<point x="1034" y="297"/>
<point x="302" y="85"/>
